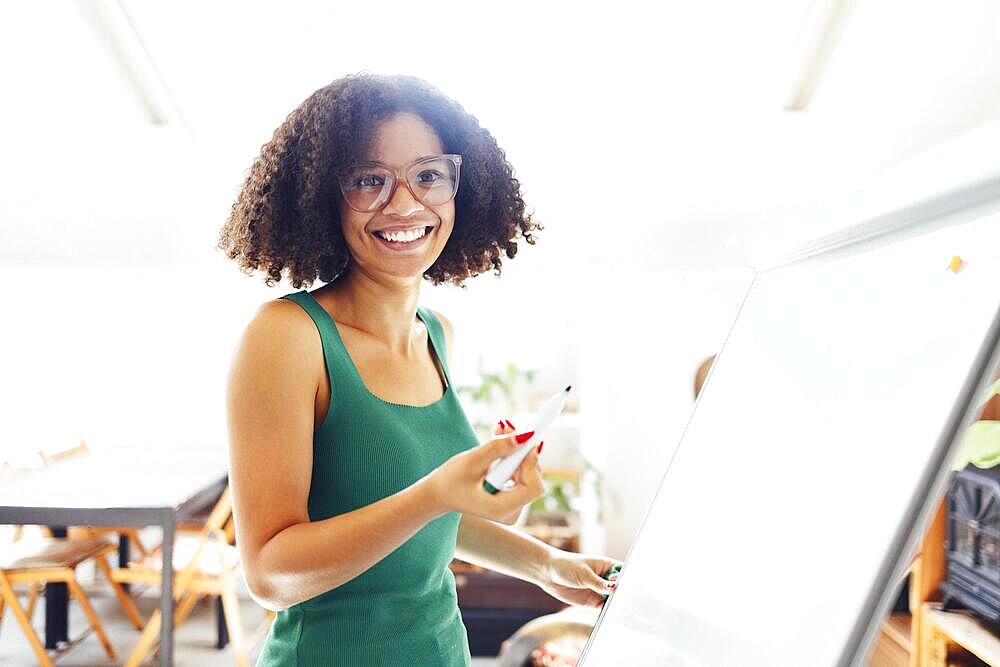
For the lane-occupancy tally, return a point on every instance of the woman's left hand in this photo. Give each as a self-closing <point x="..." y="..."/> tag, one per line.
<point x="577" y="578"/>
<point x="571" y="577"/>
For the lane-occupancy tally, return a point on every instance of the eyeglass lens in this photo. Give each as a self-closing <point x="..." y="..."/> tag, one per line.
<point x="432" y="182"/>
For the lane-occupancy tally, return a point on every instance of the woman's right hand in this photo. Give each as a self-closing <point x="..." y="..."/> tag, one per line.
<point x="457" y="484"/>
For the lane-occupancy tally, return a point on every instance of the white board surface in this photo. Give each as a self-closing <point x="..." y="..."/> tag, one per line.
<point x="813" y="446"/>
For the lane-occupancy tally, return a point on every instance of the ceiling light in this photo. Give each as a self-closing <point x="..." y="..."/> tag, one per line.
<point x="824" y="26"/>
<point x="118" y="35"/>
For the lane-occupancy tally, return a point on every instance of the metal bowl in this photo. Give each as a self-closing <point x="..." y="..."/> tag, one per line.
<point x="572" y="621"/>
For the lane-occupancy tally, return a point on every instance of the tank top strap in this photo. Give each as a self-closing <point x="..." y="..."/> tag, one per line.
<point x="339" y="367"/>
<point x="436" y="332"/>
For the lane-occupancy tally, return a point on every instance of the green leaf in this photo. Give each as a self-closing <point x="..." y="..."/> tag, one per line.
<point x="980" y="446"/>
<point x="560" y="497"/>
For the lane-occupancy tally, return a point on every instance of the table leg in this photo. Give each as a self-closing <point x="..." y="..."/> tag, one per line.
<point x="123" y="555"/>
<point x="167" y="593"/>
<point x="56" y="606"/>
<point x="221" y="631"/>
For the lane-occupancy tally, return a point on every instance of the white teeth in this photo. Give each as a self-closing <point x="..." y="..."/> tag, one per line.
<point x="404" y="237"/>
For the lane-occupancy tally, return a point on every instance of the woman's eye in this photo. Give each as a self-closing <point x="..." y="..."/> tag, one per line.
<point x="429" y="176"/>
<point x="368" y="181"/>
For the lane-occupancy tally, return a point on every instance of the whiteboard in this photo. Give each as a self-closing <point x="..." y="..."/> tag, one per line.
<point x="820" y="440"/>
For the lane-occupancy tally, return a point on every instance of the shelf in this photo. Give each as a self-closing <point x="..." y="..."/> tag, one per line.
<point x="898" y="628"/>
<point x="967" y="632"/>
<point x="893" y="647"/>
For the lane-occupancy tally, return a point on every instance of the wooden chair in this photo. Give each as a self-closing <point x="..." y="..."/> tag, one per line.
<point x="75" y="532"/>
<point x="206" y="564"/>
<point x="50" y="560"/>
<point x="35" y="588"/>
<point x="65" y="454"/>
<point x="196" y="523"/>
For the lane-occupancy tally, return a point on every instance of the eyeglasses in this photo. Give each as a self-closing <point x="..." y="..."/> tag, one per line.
<point x="431" y="180"/>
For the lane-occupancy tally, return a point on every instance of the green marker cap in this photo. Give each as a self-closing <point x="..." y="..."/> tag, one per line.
<point x="607" y="575"/>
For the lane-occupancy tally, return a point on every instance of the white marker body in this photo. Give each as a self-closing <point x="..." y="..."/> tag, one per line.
<point x="503" y="471"/>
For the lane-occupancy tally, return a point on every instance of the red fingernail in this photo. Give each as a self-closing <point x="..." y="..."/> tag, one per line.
<point x="540" y="446"/>
<point x="508" y="423"/>
<point x="500" y="424"/>
<point x="524" y="437"/>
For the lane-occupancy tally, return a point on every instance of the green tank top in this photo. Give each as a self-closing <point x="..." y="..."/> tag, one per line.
<point x="404" y="609"/>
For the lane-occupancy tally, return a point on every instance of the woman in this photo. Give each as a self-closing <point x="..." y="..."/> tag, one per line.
<point x="356" y="476"/>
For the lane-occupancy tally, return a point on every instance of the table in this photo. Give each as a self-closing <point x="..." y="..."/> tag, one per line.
<point x="125" y="486"/>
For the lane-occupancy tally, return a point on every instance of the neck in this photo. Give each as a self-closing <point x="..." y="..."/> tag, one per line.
<point x="384" y="308"/>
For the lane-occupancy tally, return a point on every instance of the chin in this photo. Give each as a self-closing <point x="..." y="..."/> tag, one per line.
<point x="402" y="270"/>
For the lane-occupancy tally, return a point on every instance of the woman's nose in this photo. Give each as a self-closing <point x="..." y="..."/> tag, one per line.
<point x="402" y="202"/>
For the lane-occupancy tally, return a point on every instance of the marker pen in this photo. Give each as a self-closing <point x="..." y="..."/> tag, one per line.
<point x="502" y="472"/>
<point x="615" y="569"/>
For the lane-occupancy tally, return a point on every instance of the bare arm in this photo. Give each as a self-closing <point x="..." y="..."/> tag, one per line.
<point x="270" y="403"/>
<point x="502" y="548"/>
<point x="492" y="545"/>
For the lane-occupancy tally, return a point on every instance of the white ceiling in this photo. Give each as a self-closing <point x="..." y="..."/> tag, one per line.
<point x="650" y="133"/>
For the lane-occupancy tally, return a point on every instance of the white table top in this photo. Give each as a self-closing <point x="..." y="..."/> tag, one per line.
<point x="126" y="477"/>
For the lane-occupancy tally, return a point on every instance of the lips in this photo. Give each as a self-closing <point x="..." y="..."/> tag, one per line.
<point x="402" y="228"/>
<point x="398" y="234"/>
<point x="399" y="238"/>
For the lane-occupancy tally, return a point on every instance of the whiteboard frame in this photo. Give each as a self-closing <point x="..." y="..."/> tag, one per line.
<point x="923" y="503"/>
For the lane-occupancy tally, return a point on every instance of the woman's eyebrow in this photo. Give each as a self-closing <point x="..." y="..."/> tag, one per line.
<point x="386" y="164"/>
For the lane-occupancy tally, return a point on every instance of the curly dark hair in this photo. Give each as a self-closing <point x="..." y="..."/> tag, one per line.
<point x="286" y="220"/>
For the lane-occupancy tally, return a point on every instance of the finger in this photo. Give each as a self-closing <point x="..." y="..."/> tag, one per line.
<point x="531" y="471"/>
<point x="595" y="582"/>
<point x="606" y="566"/>
<point x="500" y="447"/>
<point x="532" y="489"/>
<point x="518" y="475"/>
<point x="518" y="493"/>
<point x="503" y="426"/>
<point x="494" y="449"/>
<point x="530" y="463"/>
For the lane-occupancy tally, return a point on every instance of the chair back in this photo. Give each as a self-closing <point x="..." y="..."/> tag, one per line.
<point x="55" y="457"/>
<point x="220" y="514"/>
<point x="212" y="530"/>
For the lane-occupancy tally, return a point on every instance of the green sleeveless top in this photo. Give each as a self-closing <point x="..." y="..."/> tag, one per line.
<point x="404" y="609"/>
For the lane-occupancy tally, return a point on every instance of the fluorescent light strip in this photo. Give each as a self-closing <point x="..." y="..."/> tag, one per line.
<point x="116" y="32"/>
<point x="819" y="38"/>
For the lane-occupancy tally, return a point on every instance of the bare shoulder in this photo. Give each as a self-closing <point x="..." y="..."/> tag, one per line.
<point x="280" y="336"/>
<point x="449" y="333"/>
<point x="282" y="320"/>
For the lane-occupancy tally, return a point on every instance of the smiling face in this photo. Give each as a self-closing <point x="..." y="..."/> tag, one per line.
<point x="405" y="237"/>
